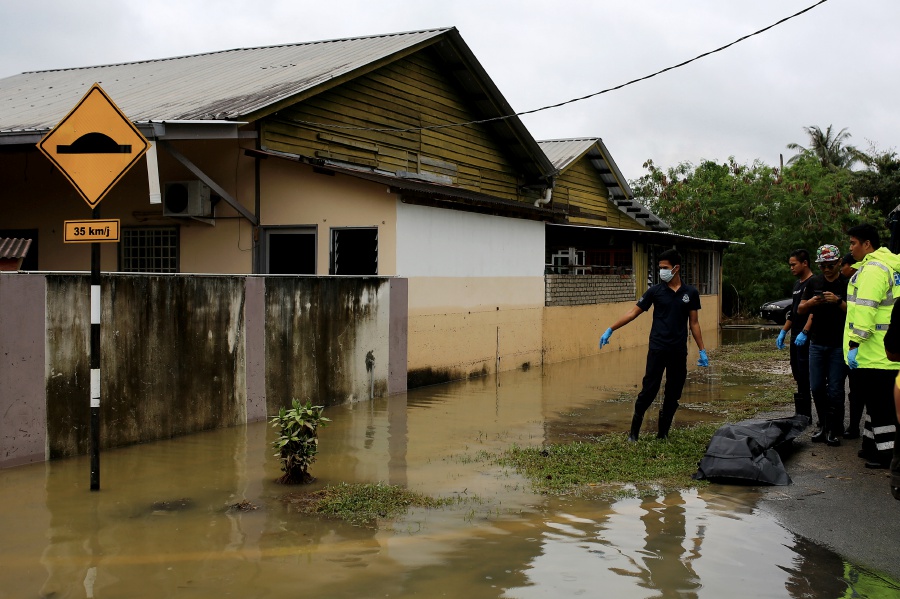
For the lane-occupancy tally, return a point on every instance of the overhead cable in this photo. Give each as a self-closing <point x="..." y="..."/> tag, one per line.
<point x="573" y="100"/>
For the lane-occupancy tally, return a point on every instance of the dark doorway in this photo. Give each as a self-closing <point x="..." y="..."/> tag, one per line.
<point x="291" y="252"/>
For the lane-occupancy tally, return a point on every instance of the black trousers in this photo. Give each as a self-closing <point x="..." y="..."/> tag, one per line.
<point x="895" y="467"/>
<point x="674" y="364"/>
<point x="857" y="405"/>
<point x="875" y="387"/>
<point x="800" y="370"/>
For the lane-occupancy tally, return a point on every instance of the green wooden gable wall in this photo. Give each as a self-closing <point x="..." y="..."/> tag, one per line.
<point x="411" y="92"/>
<point x="581" y="192"/>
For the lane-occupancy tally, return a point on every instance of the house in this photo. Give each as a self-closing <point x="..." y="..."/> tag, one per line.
<point x="389" y="155"/>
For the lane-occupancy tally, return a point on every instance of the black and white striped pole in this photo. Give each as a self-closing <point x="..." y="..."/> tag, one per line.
<point x="94" y="146"/>
<point x="95" y="361"/>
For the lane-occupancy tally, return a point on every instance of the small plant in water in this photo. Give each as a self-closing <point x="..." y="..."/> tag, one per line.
<point x="298" y="441"/>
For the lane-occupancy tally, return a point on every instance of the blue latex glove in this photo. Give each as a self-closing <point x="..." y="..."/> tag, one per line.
<point x="801" y="339"/>
<point x="604" y="339"/>
<point x="851" y="358"/>
<point x="779" y="343"/>
<point x="703" y="361"/>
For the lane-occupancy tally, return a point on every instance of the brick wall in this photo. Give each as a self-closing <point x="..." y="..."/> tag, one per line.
<point x="579" y="290"/>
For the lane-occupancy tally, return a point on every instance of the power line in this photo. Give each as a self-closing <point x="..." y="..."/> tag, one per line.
<point x="573" y="100"/>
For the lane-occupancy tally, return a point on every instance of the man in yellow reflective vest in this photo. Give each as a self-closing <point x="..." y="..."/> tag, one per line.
<point x="870" y="299"/>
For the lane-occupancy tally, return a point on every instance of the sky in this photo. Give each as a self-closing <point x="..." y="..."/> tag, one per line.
<point x="835" y="65"/>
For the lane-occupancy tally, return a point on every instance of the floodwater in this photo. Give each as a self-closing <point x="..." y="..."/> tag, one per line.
<point x="162" y="525"/>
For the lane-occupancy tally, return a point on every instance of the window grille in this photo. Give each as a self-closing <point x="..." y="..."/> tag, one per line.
<point x="149" y="249"/>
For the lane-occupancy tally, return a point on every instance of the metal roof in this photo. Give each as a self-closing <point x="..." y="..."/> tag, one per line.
<point x="563" y="153"/>
<point x="223" y="85"/>
<point x="248" y="83"/>
<point x="12" y="248"/>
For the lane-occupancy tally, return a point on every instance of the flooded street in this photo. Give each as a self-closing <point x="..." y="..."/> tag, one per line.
<point x="163" y="524"/>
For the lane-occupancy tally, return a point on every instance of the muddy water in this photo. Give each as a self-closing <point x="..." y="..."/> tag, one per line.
<point x="162" y="525"/>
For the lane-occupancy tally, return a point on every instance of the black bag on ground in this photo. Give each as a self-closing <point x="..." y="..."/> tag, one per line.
<point x="746" y="452"/>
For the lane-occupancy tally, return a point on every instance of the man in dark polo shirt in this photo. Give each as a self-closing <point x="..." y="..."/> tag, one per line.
<point x="675" y="307"/>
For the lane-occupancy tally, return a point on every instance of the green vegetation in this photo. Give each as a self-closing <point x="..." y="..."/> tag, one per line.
<point x="772" y="211"/>
<point x="607" y="463"/>
<point x="298" y="441"/>
<point x="363" y="504"/>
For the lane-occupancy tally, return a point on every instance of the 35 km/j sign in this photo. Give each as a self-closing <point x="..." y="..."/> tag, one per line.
<point x="90" y="231"/>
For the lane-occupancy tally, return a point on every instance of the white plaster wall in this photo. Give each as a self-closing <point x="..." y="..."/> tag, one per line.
<point x="434" y="242"/>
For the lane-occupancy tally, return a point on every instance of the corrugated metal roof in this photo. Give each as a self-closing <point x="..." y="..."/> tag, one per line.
<point x="565" y="152"/>
<point x="12" y="248"/>
<point x="218" y="85"/>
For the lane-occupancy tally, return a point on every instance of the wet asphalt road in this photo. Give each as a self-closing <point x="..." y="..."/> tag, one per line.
<point x="835" y="501"/>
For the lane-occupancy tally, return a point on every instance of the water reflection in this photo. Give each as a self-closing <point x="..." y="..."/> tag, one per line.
<point x="735" y="335"/>
<point x="164" y="524"/>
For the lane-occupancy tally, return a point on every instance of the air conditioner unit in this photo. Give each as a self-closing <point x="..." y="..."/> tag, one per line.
<point x="186" y="198"/>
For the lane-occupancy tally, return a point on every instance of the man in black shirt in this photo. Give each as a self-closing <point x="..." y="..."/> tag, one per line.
<point x="825" y="297"/>
<point x="796" y="324"/>
<point x="675" y="308"/>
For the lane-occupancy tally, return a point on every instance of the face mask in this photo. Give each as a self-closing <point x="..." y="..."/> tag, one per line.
<point x="665" y="274"/>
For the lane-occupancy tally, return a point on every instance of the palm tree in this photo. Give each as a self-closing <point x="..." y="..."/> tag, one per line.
<point x="829" y="148"/>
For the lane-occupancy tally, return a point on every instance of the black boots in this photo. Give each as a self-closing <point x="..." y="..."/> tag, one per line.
<point x="636" y="420"/>
<point x="827" y="434"/>
<point x="665" y="423"/>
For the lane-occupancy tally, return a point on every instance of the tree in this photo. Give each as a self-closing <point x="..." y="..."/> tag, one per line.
<point x="829" y="148"/>
<point x="879" y="184"/>
<point x="769" y="212"/>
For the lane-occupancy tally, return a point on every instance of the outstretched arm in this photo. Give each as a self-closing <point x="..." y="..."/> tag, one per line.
<point x="627" y="317"/>
<point x="694" y="322"/>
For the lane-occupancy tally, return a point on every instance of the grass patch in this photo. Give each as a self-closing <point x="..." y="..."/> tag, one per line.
<point x="609" y="461"/>
<point x="363" y="504"/>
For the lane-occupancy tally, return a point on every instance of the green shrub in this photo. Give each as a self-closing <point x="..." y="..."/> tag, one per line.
<point x="298" y="441"/>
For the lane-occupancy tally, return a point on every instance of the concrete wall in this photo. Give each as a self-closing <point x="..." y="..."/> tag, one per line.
<point x="572" y="332"/>
<point x="181" y="354"/>
<point x="23" y="412"/>
<point x="476" y="292"/>
<point x="326" y="339"/>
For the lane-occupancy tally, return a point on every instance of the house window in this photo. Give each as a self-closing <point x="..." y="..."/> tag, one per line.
<point x="149" y="249"/>
<point x="290" y="251"/>
<point x="354" y="251"/>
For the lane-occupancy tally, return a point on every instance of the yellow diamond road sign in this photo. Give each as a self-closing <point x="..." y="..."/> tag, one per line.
<point x="94" y="146"/>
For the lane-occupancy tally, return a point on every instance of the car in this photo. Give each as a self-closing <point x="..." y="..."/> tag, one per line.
<point x="777" y="310"/>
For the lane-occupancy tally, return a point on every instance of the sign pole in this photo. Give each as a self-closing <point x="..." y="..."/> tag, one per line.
<point x="95" y="361"/>
<point x="94" y="146"/>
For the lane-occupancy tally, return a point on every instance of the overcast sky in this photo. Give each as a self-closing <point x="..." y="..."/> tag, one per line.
<point x="837" y="64"/>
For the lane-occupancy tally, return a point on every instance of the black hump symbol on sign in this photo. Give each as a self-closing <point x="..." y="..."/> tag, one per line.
<point x="94" y="143"/>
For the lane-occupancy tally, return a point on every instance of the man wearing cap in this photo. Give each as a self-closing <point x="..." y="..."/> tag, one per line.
<point x="825" y="298"/>
<point x="870" y="299"/>
<point x="675" y="310"/>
